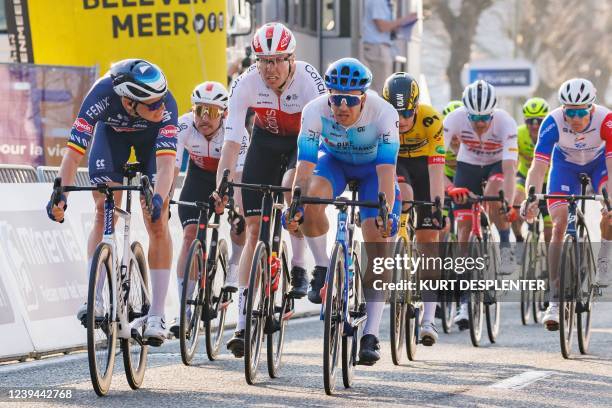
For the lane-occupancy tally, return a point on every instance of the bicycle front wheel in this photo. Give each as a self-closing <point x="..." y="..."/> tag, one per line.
<point x="587" y="294"/>
<point x="567" y="295"/>
<point x="448" y="306"/>
<point x="191" y="302"/>
<point x="135" y="354"/>
<point x="216" y="301"/>
<point x="527" y="272"/>
<point x="256" y="311"/>
<point x="476" y="297"/>
<point x="281" y="310"/>
<point x="101" y="328"/>
<point x="333" y="322"/>
<point x="397" y="310"/>
<point x="492" y="305"/>
<point x="356" y="307"/>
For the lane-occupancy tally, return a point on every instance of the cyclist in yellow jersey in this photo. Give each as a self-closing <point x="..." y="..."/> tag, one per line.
<point x="534" y="112"/>
<point x="420" y="170"/>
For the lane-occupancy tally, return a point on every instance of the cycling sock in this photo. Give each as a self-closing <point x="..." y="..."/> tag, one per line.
<point x="160" y="278"/>
<point x="297" y="246"/>
<point x="605" y="250"/>
<point x="236" y="252"/>
<point x="242" y="291"/>
<point x="429" y="312"/>
<point x="374" y="311"/>
<point x="318" y="247"/>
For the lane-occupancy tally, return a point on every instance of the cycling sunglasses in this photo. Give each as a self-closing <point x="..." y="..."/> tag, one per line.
<point x="534" y="121"/>
<point x="155" y="105"/>
<point x="480" y="118"/>
<point x="349" y="100"/>
<point x="406" y="113"/>
<point x="572" y="113"/>
<point x="212" y="111"/>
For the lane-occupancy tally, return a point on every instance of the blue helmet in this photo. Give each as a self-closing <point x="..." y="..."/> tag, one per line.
<point x="138" y="79"/>
<point x="348" y="74"/>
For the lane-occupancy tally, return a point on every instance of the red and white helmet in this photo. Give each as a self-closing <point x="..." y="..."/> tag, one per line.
<point x="210" y="92"/>
<point x="273" y="39"/>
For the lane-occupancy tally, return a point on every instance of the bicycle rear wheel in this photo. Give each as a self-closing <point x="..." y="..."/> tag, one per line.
<point x="567" y="295"/>
<point x="492" y="304"/>
<point x="333" y="322"/>
<point x="191" y="302"/>
<point x="256" y="311"/>
<point x="476" y="297"/>
<point x="541" y="272"/>
<point x="101" y="329"/>
<point x="414" y="311"/>
<point x="356" y="309"/>
<point x="527" y="272"/>
<point x="397" y="311"/>
<point x="587" y="294"/>
<point x="135" y="354"/>
<point x="448" y="306"/>
<point x="280" y="311"/>
<point x="216" y="301"/>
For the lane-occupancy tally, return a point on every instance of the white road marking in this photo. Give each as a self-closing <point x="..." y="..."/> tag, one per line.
<point x="522" y="380"/>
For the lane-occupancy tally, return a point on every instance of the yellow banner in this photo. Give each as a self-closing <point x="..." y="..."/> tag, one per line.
<point x="186" y="38"/>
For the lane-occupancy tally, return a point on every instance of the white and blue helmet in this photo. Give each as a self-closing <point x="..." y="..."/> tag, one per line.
<point x="138" y="79"/>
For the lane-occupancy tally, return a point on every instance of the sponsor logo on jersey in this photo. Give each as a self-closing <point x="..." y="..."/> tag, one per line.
<point x="168" y="131"/>
<point x="81" y="125"/>
<point x="440" y="149"/>
<point x="609" y="124"/>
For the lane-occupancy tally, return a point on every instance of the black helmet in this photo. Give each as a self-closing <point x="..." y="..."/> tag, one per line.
<point x="402" y="91"/>
<point x="138" y="79"/>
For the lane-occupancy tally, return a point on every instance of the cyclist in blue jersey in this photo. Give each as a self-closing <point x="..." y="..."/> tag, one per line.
<point x="349" y="134"/>
<point x="130" y="106"/>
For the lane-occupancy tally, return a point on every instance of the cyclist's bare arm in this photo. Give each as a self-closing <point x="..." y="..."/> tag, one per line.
<point x="536" y="174"/>
<point x="303" y="173"/>
<point x="69" y="166"/>
<point x="229" y="158"/>
<point x="509" y="171"/>
<point x="165" y="175"/>
<point x="386" y="182"/>
<point x="437" y="181"/>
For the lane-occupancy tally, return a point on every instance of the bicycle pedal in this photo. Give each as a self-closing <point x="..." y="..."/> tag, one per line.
<point x="230" y="290"/>
<point x="365" y="363"/>
<point x="152" y="341"/>
<point x="293" y="295"/>
<point x="582" y="307"/>
<point x="137" y="337"/>
<point x="357" y="313"/>
<point x="272" y="326"/>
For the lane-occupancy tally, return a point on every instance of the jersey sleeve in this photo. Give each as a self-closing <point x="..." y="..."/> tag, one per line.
<point x="435" y="134"/>
<point x="315" y="85"/>
<point x="183" y="125"/>
<point x="310" y="132"/>
<point x="606" y="134"/>
<point x="94" y="104"/>
<point x="388" y="139"/>
<point x="510" y="151"/>
<point x="165" y="144"/>
<point x="244" y="147"/>
<point x="238" y="104"/>
<point x="547" y="137"/>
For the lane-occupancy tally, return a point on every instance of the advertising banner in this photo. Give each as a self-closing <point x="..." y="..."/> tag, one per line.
<point x="186" y="38"/>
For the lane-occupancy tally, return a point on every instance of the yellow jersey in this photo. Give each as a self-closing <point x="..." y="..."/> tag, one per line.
<point x="426" y="138"/>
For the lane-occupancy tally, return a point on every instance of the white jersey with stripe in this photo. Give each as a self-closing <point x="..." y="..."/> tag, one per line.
<point x="205" y="153"/>
<point x="498" y="143"/>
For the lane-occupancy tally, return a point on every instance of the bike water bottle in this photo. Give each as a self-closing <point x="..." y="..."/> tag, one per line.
<point x="275" y="265"/>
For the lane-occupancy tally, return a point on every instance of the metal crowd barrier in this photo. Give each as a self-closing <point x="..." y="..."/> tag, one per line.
<point x="16" y="173"/>
<point x="46" y="174"/>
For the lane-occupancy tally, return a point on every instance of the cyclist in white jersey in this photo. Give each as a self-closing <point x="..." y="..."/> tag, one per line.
<point x="201" y="134"/>
<point x="487" y="152"/>
<point x="578" y="137"/>
<point x="349" y="134"/>
<point x="276" y="88"/>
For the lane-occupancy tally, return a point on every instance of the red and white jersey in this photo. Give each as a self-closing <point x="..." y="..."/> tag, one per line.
<point x="499" y="142"/>
<point x="279" y="115"/>
<point x="205" y="153"/>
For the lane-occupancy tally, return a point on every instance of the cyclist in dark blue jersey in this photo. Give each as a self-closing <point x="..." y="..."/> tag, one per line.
<point x="130" y="106"/>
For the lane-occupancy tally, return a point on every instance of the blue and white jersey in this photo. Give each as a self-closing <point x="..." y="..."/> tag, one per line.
<point x="557" y="139"/>
<point x="374" y="138"/>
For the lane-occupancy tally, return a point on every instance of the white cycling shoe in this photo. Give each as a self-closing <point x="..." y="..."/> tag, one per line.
<point x="551" y="317"/>
<point x="156" y="331"/>
<point x="462" y="318"/>
<point x="429" y="333"/>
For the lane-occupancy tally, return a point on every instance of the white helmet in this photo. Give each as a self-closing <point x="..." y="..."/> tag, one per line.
<point x="273" y="39"/>
<point x="479" y="98"/>
<point x="210" y="92"/>
<point x="577" y="91"/>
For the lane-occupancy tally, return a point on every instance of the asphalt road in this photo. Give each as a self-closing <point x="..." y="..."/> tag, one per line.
<point x="524" y="368"/>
